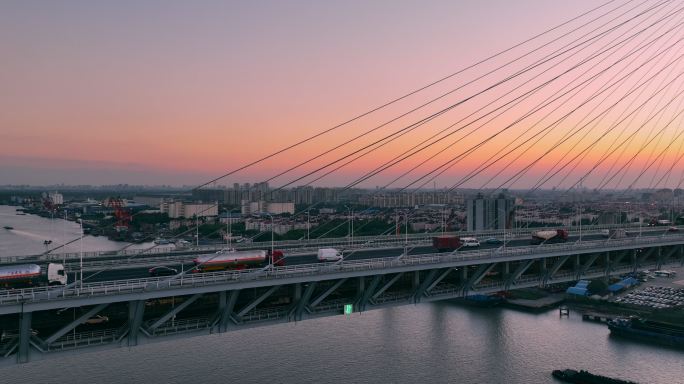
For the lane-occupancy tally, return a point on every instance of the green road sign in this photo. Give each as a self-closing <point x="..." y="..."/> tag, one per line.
<point x="348" y="309"/>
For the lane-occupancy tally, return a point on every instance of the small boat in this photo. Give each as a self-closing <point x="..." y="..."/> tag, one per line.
<point x="161" y="241"/>
<point x="7" y="227"/>
<point x="584" y="377"/>
<point x="648" y="331"/>
<point x="21" y="214"/>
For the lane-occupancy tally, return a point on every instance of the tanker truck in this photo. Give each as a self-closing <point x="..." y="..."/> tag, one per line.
<point x="30" y="275"/>
<point x="549" y="236"/>
<point x="231" y="259"/>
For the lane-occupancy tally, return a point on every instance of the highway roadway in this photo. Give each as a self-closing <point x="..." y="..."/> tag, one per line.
<point x="133" y="268"/>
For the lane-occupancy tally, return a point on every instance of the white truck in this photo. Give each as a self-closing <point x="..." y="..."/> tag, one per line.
<point x="329" y="254"/>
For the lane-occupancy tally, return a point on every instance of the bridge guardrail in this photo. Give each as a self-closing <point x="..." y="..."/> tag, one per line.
<point x="356" y="242"/>
<point x="204" y="279"/>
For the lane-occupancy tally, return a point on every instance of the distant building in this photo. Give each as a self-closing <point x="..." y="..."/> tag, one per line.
<point x="391" y="199"/>
<point x="279" y="228"/>
<point x="176" y="209"/>
<point x="256" y="207"/>
<point x="55" y="198"/>
<point x="250" y="207"/>
<point x="280" y="208"/>
<point x="150" y="201"/>
<point x="663" y="196"/>
<point x="232" y="217"/>
<point x="490" y="214"/>
<point x="610" y="218"/>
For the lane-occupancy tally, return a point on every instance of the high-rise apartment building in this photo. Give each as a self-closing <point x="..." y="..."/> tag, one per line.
<point x="490" y="214"/>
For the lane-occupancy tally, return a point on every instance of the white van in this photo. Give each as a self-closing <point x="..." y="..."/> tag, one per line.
<point x="329" y="254"/>
<point x="470" y="242"/>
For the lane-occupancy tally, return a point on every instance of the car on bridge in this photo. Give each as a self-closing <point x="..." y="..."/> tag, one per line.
<point x="470" y="242"/>
<point x="162" y="271"/>
<point x="493" y="241"/>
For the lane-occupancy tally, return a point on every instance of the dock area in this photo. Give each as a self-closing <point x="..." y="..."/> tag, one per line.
<point x="597" y="317"/>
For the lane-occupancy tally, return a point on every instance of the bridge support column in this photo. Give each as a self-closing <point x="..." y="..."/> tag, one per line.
<point x="606" y="266"/>
<point x="303" y="301"/>
<point x="635" y="264"/>
<point x="24" y="337"/>
<point x="416" y="280"/>
<point x="506" y="272"/>
<point x="368" y="292"/>
<point x="422" y="287"/>
<point x="659" y="258"/>
<point x="297" y="292"/>
<point x="464" y="274"/>
<point x="361" y="288"/>
<point x="226" y="305"/>
<point x="136" y="310"/>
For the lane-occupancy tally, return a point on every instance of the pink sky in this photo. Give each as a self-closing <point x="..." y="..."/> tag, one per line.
<point x="161" y="92"/>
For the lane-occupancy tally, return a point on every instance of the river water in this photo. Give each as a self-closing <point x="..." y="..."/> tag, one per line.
<point x="30" y="232"/>
<point x="425" y="343"/>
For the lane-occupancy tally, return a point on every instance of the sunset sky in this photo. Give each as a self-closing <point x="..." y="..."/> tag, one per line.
<point x="171" y="92"/>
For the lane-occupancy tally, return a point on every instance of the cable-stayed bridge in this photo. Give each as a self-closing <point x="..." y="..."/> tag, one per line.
<point x="593" y="102"/>
<point x="153" y="309"/>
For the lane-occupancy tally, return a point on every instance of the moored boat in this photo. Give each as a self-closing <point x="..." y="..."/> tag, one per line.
<point x="649" y="331"/>
<point x="584" y="377"/>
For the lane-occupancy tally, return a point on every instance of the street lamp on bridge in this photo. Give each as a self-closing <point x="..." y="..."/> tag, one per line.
<point x="272" y="236"/>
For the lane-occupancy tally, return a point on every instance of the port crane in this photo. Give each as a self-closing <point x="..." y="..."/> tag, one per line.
<point x="122" y="215"/>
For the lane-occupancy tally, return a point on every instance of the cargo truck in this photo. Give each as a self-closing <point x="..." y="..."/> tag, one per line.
<point x="446" y="243"/>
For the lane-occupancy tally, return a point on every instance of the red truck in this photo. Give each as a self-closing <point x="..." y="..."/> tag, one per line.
<point x="446" y="243"/>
